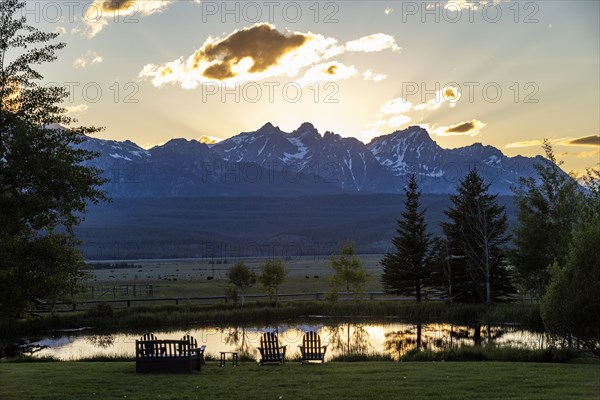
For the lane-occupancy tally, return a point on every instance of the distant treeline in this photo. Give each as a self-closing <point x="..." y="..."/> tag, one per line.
<point x="120" y="265"/>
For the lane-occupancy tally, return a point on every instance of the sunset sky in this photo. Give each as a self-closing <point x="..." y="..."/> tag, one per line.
<point x="502" y="73"/>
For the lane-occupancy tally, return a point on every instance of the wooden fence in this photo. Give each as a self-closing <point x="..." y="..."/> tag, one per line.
<point x="126" y="303"/>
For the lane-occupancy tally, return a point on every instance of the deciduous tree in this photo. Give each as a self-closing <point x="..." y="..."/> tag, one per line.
<point x="272" y="275"/>
<point x="349" y="273"/>
<point x="44" y="186"/>
<point x="242" y="278"/>
<point x="571" y="305"/>
<point x="546" y="213"/>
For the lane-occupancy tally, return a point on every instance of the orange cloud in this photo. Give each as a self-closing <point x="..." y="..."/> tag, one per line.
<point x="588" y="154"/>
<point x="462" y="127"/>
<point x="591" y="140"/>
<point x="260" y="52"/>
<point x="331" y="71"/>
<point x="470" y="128"/>
<point x="262" y="43"/>
<point x="101" y="12"/>
<point x="115" y="5"/>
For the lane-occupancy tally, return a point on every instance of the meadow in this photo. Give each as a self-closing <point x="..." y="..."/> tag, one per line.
<point x="207" y="277"/>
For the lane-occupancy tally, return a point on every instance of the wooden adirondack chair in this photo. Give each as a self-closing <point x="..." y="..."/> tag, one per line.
<point x="198" y="352"/>
<point x="150" y="347"/>
<point x="270" y="350"/>
<point x="311" y="348"/>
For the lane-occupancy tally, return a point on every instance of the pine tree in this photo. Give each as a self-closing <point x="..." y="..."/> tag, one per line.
<point x="407" y="270"/>
<point x="476" y="236"/>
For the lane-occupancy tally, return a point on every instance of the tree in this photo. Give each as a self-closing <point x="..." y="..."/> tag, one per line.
<point x="348" y="272"/>
<point x="476" y="235"/>
<point x="571" y="305"/>
<point x="44" y="185"/>
<point x="272" y="275"/>
<point x="408" y="269"/>
<point x="442" y="275"/>
<point x="545" y="215"/>
<point x="242" y="278"/>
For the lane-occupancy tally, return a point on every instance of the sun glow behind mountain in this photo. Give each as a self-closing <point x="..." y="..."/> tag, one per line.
<point x="468" y="72"/>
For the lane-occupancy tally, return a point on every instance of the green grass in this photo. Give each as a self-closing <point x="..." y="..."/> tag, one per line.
<point x="361" y="380"/>
<point x="494" y="353"/>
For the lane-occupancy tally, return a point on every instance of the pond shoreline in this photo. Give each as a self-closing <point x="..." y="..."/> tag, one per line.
<point x="526" y="315"/>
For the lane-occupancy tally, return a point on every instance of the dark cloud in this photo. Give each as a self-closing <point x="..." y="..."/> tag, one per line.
<point x="462" y="127"/>
<point x="262" y="42"/>
<point x="115" y="5"/>
<point x="592" y="140"/>
<point x="331" y="70"/>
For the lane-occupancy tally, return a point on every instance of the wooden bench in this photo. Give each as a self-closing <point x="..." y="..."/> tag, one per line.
<point x="270" y="350"/>
<point x="311" y="348"/>
<point x="169" y="356"/>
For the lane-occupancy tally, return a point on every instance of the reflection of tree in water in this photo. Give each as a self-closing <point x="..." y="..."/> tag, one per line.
<point x="343" y="339"/>
<point x="397" y="343"/>
<point x="477" y="335"/>
<point x="101" y="341"/>
<point x="439" y="337"/>
<point x="237" y="338"/>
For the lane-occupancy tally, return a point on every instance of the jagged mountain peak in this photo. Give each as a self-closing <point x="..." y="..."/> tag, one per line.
<point x="306" y="126"/>
<point x="413" y="133"/>
<point x="180" y="147"/>
<point x="268" y="128"/>
<point x="343" y="162"/>
<point x="306" y="129"/>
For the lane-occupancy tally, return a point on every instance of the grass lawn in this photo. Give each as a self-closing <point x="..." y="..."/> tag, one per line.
<point x="363" y="380"/>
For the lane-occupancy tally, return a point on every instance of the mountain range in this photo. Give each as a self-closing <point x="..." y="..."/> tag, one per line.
<point x="271" y="162"/>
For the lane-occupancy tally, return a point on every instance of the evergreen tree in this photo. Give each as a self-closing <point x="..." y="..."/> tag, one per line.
<point x="546" y="207"/>
<point x="407" y="270"/>
<point x="476" y="235"/>
<point x="44" y="186"/>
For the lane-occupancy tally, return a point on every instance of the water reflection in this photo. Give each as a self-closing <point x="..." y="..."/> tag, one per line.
<point x="348" y="338"/>
<point x="101" y="341"/>
<point x="341" y="338"/>
<point x="237" y="339"/>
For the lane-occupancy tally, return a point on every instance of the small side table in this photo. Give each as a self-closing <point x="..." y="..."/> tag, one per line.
<point x="234" y="358"/>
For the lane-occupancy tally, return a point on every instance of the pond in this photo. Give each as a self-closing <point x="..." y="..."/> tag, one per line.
<point x="393" y="339"/>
